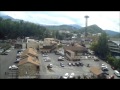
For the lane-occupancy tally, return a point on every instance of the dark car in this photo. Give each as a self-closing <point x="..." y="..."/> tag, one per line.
<point x="77" y="64"/>
<point x="4" y="53"/>
<point x="81" y="64"/>
<point x="16" y="61"/>
<point x="73" y="64"/>
<point x="62" y="65"/>
<point x="113" y="67"/>
<point x="106" y="73"/>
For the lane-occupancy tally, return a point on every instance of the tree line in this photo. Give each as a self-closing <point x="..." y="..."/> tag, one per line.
<point x="13" y="29"/>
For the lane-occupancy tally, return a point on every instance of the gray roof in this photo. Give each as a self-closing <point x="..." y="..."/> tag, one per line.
<point x="117" y="42"/>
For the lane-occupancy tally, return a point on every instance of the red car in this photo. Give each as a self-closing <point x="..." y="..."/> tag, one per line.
<point x="113" y="68"/>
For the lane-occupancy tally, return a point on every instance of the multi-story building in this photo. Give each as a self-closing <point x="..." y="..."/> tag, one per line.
<point x="114" y="47"/>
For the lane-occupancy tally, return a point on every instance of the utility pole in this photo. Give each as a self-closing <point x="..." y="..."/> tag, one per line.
<point x="86" y="17"/>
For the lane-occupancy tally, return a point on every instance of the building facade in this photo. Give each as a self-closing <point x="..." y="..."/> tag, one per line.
<point x="74" y="52"/>
<point x="114" y="47"/>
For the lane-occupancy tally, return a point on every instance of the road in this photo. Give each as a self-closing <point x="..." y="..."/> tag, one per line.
<point x="6" y="61"/>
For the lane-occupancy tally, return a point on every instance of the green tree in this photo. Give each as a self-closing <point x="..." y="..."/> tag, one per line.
<point x="101" y="47"/>
<point x="116" y="63"/>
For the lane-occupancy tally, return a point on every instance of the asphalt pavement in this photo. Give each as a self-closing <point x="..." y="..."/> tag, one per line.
<point x="5" y="62"/>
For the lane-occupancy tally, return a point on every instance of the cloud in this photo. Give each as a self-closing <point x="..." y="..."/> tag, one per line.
<point x="106" y="20"/>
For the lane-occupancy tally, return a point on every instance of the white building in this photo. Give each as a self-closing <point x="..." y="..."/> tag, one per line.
<point x="114" y="47"/>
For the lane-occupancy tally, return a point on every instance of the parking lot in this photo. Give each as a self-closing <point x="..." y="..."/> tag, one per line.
<point x="5" y="62"/>
<point x="58" y="71"/>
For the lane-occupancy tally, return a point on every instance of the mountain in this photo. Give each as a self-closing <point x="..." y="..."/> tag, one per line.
<point x="62" y="27"/>
<point x="76" y="26"/>
<point x="8" y="17"/>
<point x="111" y="33"/>
<point x="93" y="29"/>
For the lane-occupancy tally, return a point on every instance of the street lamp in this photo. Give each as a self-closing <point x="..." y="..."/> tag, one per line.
<point x="86" y="17"/>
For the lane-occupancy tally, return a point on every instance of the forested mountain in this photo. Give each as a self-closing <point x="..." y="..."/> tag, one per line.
<point x="62" y="27"/>
<point x="117" y="36"/>
<point x="92" y="29"/>
<point x="111" y="33"/>
<point x="13" y="29"/>
<point x="8" y="17"/>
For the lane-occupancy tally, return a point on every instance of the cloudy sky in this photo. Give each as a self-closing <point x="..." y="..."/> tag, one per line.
<point x="109" y="20"/>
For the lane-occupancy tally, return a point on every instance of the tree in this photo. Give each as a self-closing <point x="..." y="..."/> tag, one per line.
<point x="116" y="63"/>
<point x="101" y="47"/>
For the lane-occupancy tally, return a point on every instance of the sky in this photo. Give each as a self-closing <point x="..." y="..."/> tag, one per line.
<point x="107" y="20"/>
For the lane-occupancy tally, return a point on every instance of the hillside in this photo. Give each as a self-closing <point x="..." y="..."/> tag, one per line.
<point x="10" y="29"/>
<point x="93" y="29"/>
<point x="117" y="36"/>
<point x="111" y="33"/>
<point x="8" y="17"/>
<point x="62" y="27"/>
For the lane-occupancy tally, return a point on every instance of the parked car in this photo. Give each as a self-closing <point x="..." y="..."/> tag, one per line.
<point x="69" y="64"/>
<point x="47" y="59"/>
<point x="104" y="67"/>
<point x="7" y="51"/>
<point x="111" y="77"/>
<point x="77" y="64"/>
<point x="116" y="73"/>
<point x="13" y="67"/>
<point x="81" y="64"/>
<point x="4" y="53"/>
<point x="66" y="76"/>
<point x="72" y="75"/>
<point x="62" y="65"/>
<point x="113" y="67"/>
<point x="73" y="64"/>
<point x="49" y="66"/>
<point x="60" y="58"/>
<point x="106" y="73"/>
<point x="45" y="55"/>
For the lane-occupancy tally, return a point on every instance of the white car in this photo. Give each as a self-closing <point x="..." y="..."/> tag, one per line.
<point x="69" y="64"/>
<point x="60" y="58"/>
<point x="104" y="67"/>
<point x="66" y="76"/>
<point x="72" y="75"/>
<point x="45" y="55"/>
<point x="7" y="51"/>
<point x="116" y="73"/>
<point x="13" y="67"/>
<point x="47" y="59"/>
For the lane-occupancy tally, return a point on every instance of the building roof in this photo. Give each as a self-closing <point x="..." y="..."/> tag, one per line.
<point x="29" y="60"/>
<point x="96" y="70"/>
<point x="70" y="51"/>
<point x="116" y="42"/>
<point x="49" y="38"/>
<point x="31" y="51"/>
